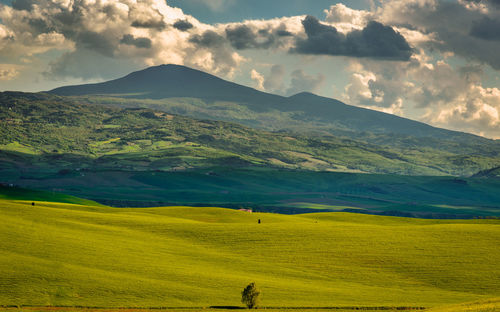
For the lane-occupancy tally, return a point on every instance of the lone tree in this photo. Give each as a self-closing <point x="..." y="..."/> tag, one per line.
<point x="250" y="296"/>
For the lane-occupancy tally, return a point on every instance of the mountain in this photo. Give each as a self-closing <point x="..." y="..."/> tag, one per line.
<point x="170" y="81"/>
<point x="305" y="110"/>
<point x="145" y="157"/>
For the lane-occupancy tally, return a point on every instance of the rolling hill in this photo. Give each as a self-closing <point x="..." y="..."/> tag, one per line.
<point x="56" y="254"/>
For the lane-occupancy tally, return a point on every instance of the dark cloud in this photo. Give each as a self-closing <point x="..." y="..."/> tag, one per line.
<point x="39" y="26"/>
<point x="26" y="5"/>
<point x="487" y="29"/>
<point x="283" y="33"/>
<point x="153" y="24"/>
<point x="95" y="41"/>
<point x="375" y="40"/>
<point x="140" y="42"/>
<point x="183" y="25"/>
<point x="68" y="19"/>
<point x="321" y="39"/>
<point x="208" y="39"/>
<point x="244" y="37"/>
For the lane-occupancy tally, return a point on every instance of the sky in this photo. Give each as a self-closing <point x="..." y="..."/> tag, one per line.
<point x="433" y="61"/>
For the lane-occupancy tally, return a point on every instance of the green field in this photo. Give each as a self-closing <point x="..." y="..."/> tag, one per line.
<point x="13" y="193"/>
<point x="74" y="255"/>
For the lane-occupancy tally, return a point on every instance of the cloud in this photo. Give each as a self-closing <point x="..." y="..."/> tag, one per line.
<point x="487" y="29"/>
<point x="258" y="78"/>
<point x="88" y="65"/>
<point x="141" y="42"/>
<point x="428" y="87"/>
<point x="132" y="33"/>
<point x="346" y="19"/>
<point x="23" y="4"/>
<point x="367" y="89"/>
<point x="484" y="2"/>
<point x="477" y="110"/>
<point x="208" y="39"/>
<point x="8" y="72"/>
<point x="470" y="32"/>
<point x="151" y="23"/>
<point x="241" y="37"/>
<point x="275" y="79"/>
<point x="183" y="25"/>
<point x="213" y="52"/>
<point x="446" y="96"/>
<point x="302" y="82"/>
<point x="339" y="13"/>
<point x="375" y="41"/>
<point x="259" y="34"/>
<point x="95" y="41"/>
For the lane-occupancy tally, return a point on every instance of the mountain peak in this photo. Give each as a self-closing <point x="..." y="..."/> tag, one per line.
<point x="303" y="94"/>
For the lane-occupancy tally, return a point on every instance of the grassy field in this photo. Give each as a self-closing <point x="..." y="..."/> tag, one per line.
<point x="13" y="193"/>
<point x="492" y="305"/>
<point x="76" y="255"/>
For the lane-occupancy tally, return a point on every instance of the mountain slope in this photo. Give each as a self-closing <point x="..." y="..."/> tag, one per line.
<point x="175" y="81"/>
<point x="364" y="120"/>
<point x="41" y="124"/>
<point x="168" y="81"/>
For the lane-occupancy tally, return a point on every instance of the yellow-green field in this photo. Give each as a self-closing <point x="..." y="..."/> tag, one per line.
<point x="492" y="305"/>
<point x="74" y="255"/>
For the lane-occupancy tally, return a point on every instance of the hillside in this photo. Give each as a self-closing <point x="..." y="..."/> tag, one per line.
<point x="17" y="193"/>
<point x="60" y="131"/>
<point x="142" y="157"/>
<point x="75" y="255"/>
<point x="489" y="173"/>
<point x="179" y="89"/>
<point x="270" y="190"/>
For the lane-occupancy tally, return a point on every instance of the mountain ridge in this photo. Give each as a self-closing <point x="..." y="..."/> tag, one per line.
<point x="177" y="81"/>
